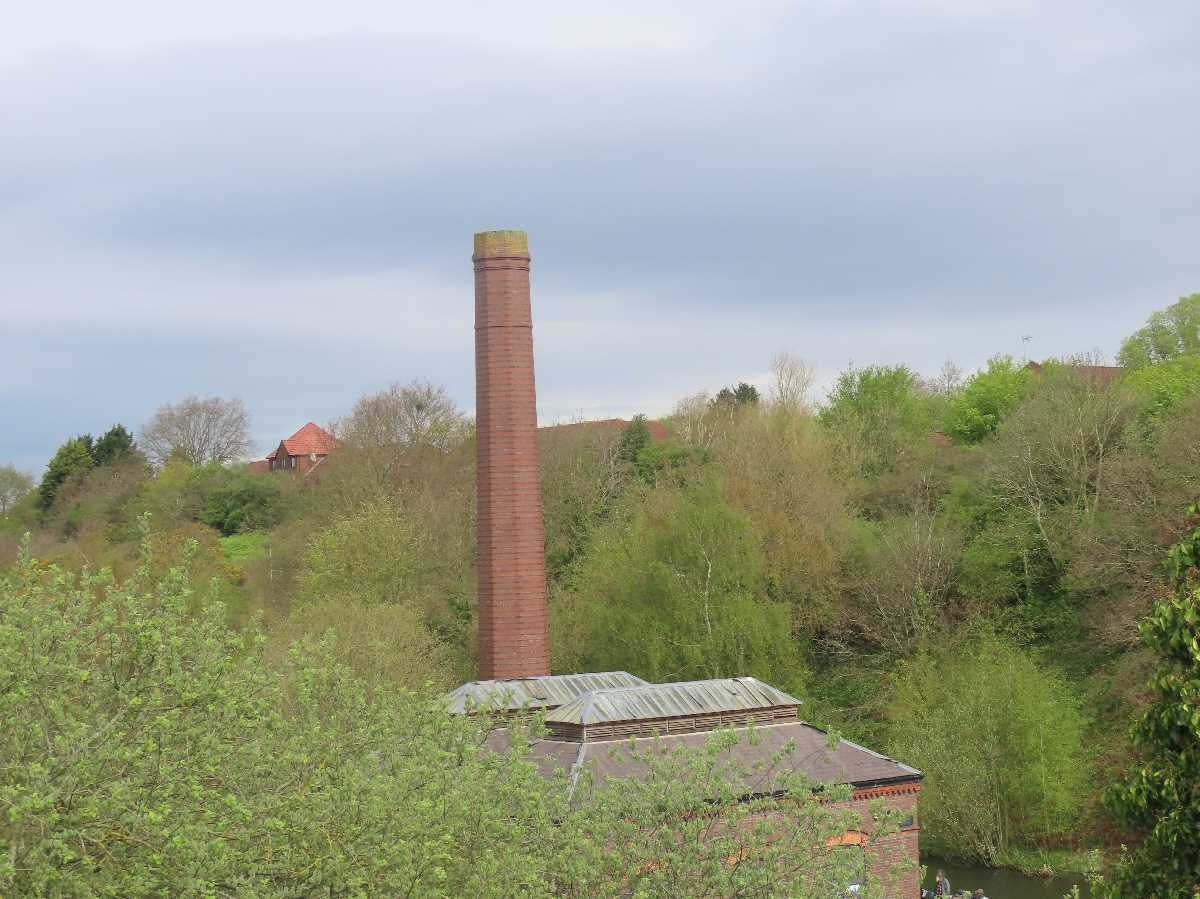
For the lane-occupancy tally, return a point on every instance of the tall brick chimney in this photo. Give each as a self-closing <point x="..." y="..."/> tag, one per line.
<point x="513" y="635"/>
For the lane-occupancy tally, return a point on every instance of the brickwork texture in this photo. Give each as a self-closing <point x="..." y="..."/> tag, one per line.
<point x="513" y="624"/>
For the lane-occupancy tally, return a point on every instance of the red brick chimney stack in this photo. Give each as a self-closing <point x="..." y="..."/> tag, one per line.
<point x="513" y="634"/>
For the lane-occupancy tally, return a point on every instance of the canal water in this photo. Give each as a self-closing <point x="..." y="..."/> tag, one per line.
<point x="1001" y="883"/>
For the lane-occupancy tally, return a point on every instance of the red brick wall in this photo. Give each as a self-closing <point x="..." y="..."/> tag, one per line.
<point x="894" y="859"/>
<point x="513" y="630"/>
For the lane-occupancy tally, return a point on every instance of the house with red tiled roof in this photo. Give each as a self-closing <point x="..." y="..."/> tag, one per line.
<point x="302" y="452"/>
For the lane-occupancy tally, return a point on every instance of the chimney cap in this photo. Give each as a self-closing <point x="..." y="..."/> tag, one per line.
<point x="501" y="243"/>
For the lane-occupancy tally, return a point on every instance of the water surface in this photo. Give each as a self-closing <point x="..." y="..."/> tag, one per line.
<point x="1002" y="883"/>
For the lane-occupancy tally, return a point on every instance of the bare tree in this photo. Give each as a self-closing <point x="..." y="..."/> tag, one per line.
<point x="1052" y="457"/>
<point x="692" y="420"/>
<point x="404" y="415"/>
<point x="791" y="382"/>
<point x="14" y="484"/>
<point x="198" y="429"/>
<point x="949" y="378"/>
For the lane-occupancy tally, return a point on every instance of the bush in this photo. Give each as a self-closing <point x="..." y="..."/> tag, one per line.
<point x="237" y="500"/>
<point x="1000" y="741"/>
<point x="383" y="644"/>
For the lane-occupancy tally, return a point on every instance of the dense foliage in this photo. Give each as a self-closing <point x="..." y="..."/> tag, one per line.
<point x="1000" y="741"/>
<point x="1162" y="798"/>
<point x="150" y="750"/>
<point x="674" y="589"/>
<point x="892" y="554"/>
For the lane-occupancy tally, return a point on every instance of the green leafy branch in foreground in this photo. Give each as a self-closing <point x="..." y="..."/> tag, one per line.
<point x="150" y="750"/>
<point x="1162" y="798"/>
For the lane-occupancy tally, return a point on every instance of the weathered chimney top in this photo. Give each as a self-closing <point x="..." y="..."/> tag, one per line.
<point x="501" y="243"/>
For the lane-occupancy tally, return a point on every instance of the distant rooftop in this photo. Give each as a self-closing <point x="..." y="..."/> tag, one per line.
<point x="312" y="438"/>
<point x="658" y="430"/>
<point x="548" y="692"/>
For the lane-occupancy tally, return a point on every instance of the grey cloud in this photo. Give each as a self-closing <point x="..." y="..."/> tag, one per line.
<point x="883" y="176"/>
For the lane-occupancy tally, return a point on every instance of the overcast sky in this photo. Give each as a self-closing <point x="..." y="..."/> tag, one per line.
<point x="274" y="199"/>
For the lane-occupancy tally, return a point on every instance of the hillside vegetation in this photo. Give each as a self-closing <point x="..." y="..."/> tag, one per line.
<point x="950" y="570"/>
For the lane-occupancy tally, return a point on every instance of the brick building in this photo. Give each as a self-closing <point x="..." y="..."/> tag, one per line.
<point x="300" y="453"/>
<point x="590" y="716"/>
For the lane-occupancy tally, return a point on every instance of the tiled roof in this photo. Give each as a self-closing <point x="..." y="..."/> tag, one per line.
<point x="311" y="438"/>
<point x="546" y="692"/>
<point x="655" y="701"/>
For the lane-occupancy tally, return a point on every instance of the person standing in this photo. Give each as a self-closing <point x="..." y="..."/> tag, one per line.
<point x="941" y="885"/>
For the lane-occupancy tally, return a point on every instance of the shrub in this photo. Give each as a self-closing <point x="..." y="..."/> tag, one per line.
<point x="237" y="500"/>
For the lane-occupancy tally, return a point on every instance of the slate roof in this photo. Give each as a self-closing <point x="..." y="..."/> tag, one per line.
<point x="800" y="747"/>
<point x="547" y="692"/>
<point x="311" y="438"/>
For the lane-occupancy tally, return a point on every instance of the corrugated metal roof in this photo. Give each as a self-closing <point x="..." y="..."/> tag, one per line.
<point x="535" y="692"/>
<point x="649" y="701"/>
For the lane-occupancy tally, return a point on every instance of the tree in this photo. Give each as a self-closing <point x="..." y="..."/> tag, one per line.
<point x="1000" y="741"/>
<point x="1161" y="798"/>
<point x="73" y="457"/>
<point x="236" y="500"/>
<point x="584" y="472"/>
<point x="989" y="396"/>
<point x="1167" y="335"/>
<point x="948" y="381"/>
<point x="115" y="443"/>
<point x="877" y="415"/>
<point x="198" y="430"/>
<point x="374" y="555"/>
<point x="635" y="437"/>
<point x="791" y="382"/>
<point x="404" y="415"/>
<point x="780" y="470"/>
<point x="900" y="578"/>
<point x="1052" y="456"/>
<point x="673" y="589"/>
<point x="14" y="485"/>
<point x="1161" y="386"/>
<point x="743" y="393"/>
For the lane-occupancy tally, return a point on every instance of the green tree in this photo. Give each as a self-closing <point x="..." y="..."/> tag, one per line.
<point x="1000" y="741"/>
<point x="237" y="500"/>
<point x="115" y="443"/>
<point x="1162" y="386"/>
<point x="674" y="589"/>
<point x="73" y="457"/>
<point x="1167" y="335"/>
<point x="1162" y="797"/>
<point x="635" y="437"/>
<point x="742" y="394"/>
<point x="877" y="414"/>
<point x="977" y="410"/>
<point x="377" y="554"/>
